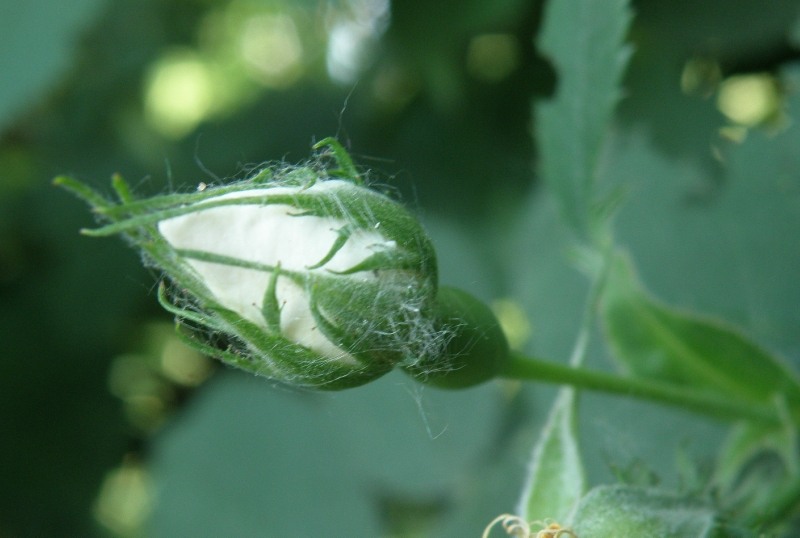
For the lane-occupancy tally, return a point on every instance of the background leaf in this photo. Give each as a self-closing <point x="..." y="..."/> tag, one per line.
<point x="556" y="481"/>
<point x="645" y="513"/>
<point x="692" y="233"/>
<point x="315" y="462"/>
<point x="584" y="39"/>
<point x="653" y="341"/>
<point x="689" y="222"/>
<point x="570" y="132"/>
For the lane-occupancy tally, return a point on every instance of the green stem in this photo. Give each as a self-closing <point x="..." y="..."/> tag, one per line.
<point x="531" y="369"/>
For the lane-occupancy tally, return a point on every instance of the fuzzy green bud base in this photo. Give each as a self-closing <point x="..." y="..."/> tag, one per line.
<point x="476" y="350"/>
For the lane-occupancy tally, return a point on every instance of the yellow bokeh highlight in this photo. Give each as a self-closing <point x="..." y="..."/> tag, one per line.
<point x="145" y="396"/>
<point x="125" y="500"/>
<point x="513" y="321"/>
<point x="148" y="379"/>
<point x="241" y="51"/>
<point x="179" y="93"/>
<point x="183" y="365"/>
<point x="749" y="100"/>
<point x="493" y="57"/>
<point x="271" y="48"/>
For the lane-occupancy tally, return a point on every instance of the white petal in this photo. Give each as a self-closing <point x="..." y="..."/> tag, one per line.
<point x="271" y="235"/>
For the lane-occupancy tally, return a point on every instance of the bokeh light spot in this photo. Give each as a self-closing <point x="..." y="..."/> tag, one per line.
<point x="353" y="32"/>
<point x="513" y="320"/>
<point x="183" y="365"/>
<point x="146" y="397"/>
<point x="749" y="100"/>
<point x="125" y="500"/>
<point x="700" y="76"/>
<point x="271" y="49"/>
<point x="179" y="93"/>
<point x="493" y="57"/>
<point x="394" y="87"/>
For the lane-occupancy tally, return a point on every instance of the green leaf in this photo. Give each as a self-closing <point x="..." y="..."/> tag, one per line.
<point x="644" y="513"/>
<point x="746" y="442"/>
<point x="251" y="461"/>
<point x="654" y="341"/>
<point x="756" y="462"/>
<point x="584" y="39"/>
<point x="556" y="481"/>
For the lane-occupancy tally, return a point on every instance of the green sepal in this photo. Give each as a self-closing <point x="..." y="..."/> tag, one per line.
<point x="351" y="343"/>
<point x="197" y="334"/>
<point x="346" y="170"/>
<point x="361" y="208"/>
<point x="264" y="175"/>
<point x="190" y="337"/>
<point x="378" y="315"/>
<point x="261" y="352"/>
<point x="211" y="257"/>
<point x="183" y="313"/>
<point x="168" y="201"/>
<point x="342" y="235"/>
<point x="122" y="189"/>
<point x="96" y="200"/>
<point x="270" y="308"/>
<point x="366" y="210"/>
<point x="290" y="362"/>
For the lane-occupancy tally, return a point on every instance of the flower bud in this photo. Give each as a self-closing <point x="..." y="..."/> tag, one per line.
<point x="308" y="279"/>
<point x="323" y="284"/>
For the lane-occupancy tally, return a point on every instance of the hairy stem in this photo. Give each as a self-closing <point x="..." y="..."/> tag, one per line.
<point x="531" y="369"/>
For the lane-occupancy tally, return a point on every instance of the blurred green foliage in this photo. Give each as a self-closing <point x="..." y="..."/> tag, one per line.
<point x="435" y="98"/>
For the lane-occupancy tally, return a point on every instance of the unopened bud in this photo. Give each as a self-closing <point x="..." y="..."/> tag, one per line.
<point x="307" y="277"/>
<point x="332" y="278"/>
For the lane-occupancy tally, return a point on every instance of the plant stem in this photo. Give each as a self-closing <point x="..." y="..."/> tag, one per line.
<point x="531" y="369"/>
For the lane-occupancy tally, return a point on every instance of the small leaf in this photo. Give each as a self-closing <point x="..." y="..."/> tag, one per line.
<point x="654" y="341"/>
<point x="556" y="481"/>
<point x="584" y="40"/>
<point x="746" y="442"/>
<point x="755" y="462"/>
<point x="620" y="510"/>
<point x="346" y="169"/>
